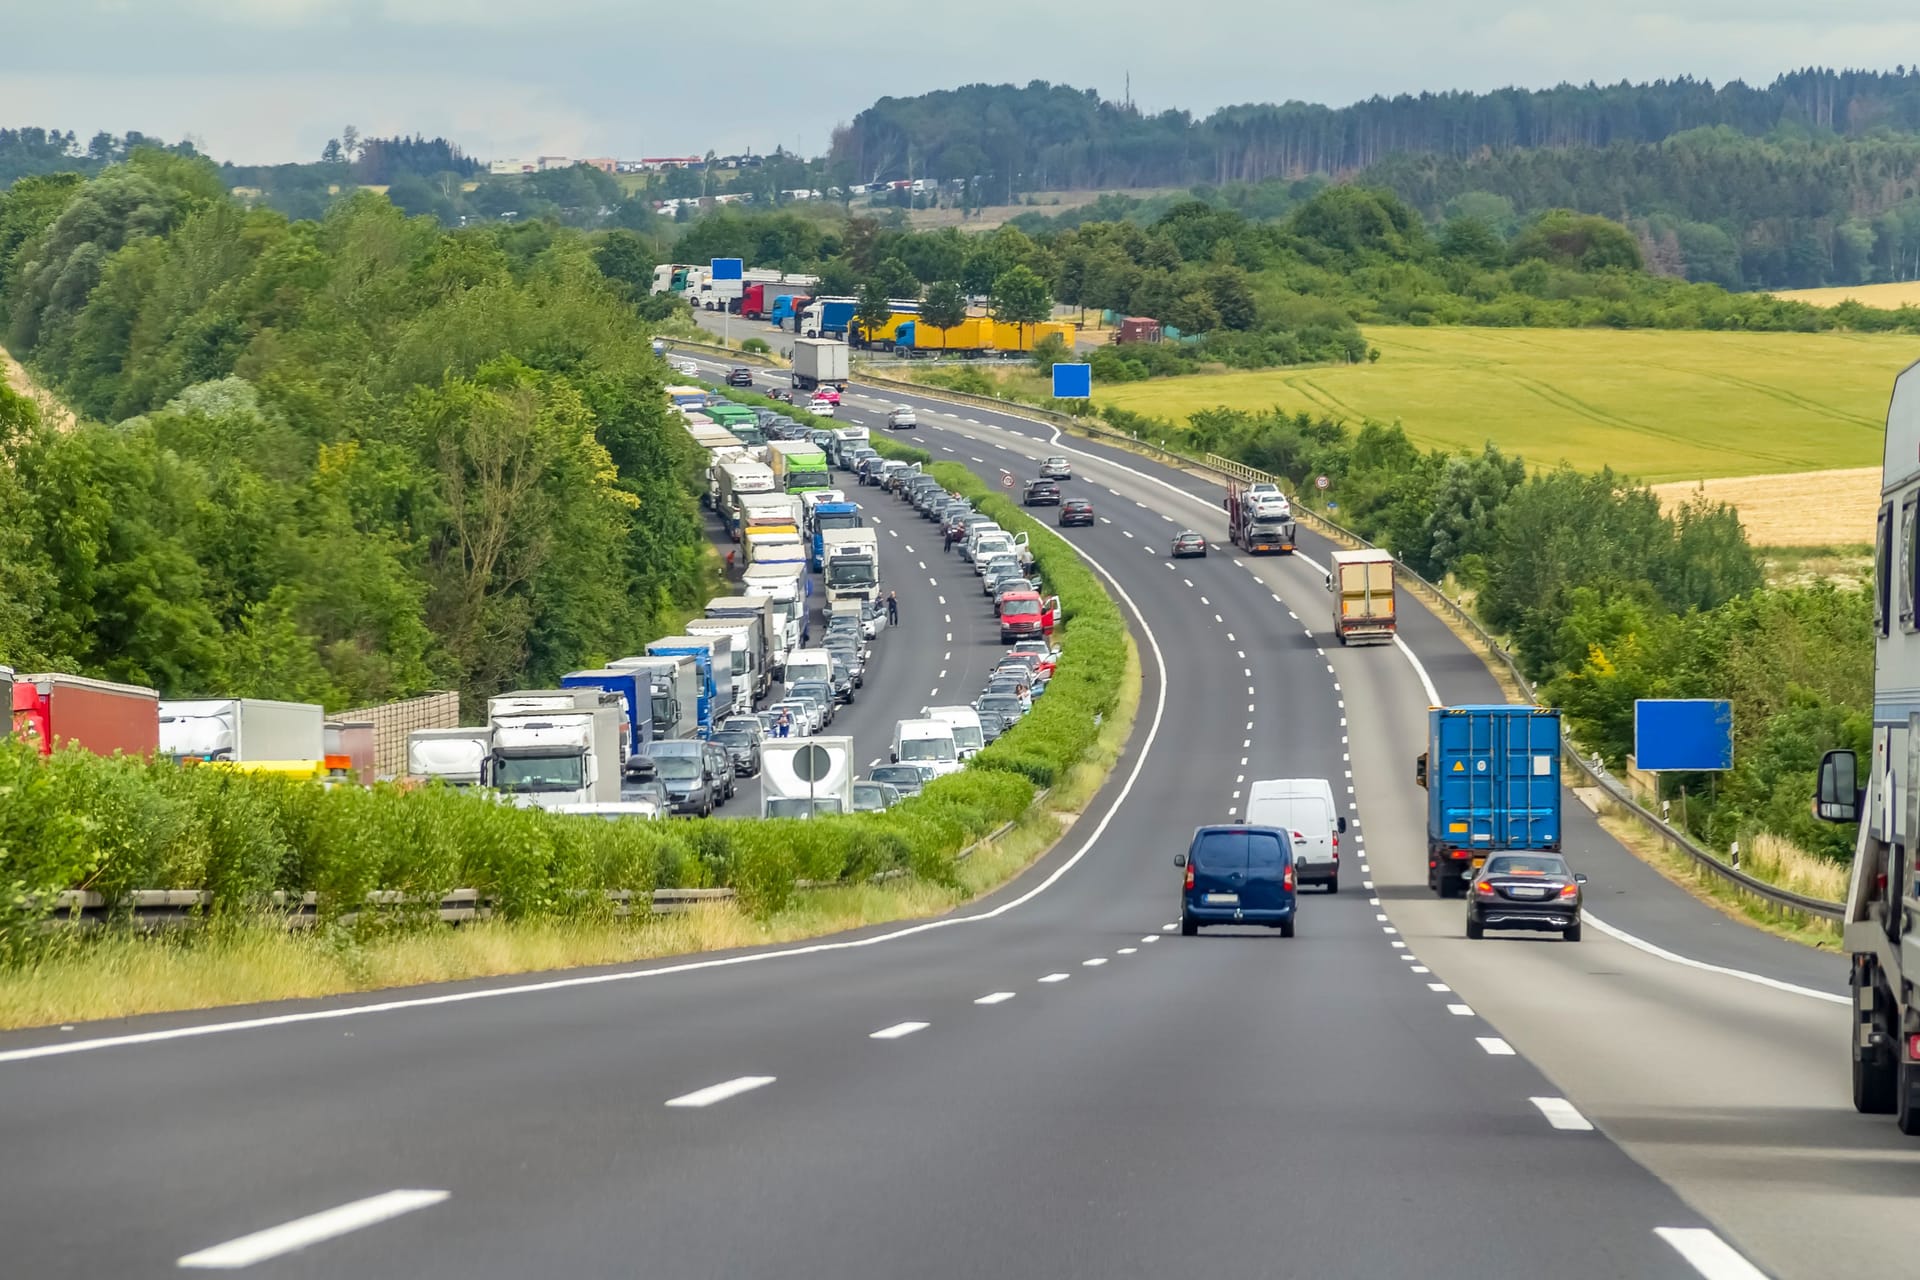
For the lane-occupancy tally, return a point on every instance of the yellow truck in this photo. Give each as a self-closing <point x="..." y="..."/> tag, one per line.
<point x="980" y="334"/>
<point x="1363" y="604"/>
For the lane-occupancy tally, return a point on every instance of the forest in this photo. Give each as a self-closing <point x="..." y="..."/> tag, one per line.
<point x="341" y="460"/>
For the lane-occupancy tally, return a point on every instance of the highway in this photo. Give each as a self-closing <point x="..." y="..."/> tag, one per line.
<point x="1049" y="1082"/>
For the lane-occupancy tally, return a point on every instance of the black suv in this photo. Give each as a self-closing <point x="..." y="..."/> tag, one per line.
<point x="1042" y="493"/>
<point x="740" y="376"/>
<point x="1079" y="511"/>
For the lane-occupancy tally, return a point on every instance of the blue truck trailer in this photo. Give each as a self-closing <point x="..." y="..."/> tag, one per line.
<point x="1492" y="775"/>
<point x="702" y="655"/>
<point x="636" y="691"/>
<point x="829" y="515"/>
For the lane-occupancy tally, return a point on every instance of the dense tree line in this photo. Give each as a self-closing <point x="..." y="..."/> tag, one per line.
<point x="32" y="152"/>
<point x="348" y="460"/>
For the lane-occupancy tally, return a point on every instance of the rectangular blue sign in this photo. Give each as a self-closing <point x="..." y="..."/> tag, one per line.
<point x="1072" y="381"/>
<point x="1682" y="735"/>
<point x="728" y="268"/>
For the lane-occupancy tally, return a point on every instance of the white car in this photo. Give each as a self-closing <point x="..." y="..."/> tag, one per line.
<point x="1272" y="504"/>
<point x="820" y="408"/>
<point x="686" y="368"/>
<point x="800" y="713"/>
<point x="902" y="419"/>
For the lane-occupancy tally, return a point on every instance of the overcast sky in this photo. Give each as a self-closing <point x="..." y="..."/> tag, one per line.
<point x="271" y="80"/>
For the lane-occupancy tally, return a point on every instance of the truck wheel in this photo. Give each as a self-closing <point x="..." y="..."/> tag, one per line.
<point x="1874" y="1081"/>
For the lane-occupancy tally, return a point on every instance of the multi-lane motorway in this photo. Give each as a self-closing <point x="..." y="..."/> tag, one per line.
<point x="1049" y="1083"/>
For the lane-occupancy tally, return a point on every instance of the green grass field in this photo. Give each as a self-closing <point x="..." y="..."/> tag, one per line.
<point x="1654" y="404"/>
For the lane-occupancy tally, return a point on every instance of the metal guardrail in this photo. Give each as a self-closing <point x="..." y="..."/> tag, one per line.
<point x="1457" y="615"/>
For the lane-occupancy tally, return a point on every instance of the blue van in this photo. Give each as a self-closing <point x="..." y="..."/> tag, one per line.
<point x="1237" y="875"/>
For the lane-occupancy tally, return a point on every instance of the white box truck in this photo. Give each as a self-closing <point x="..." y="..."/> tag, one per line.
<point x="674" y="693"/>
<point x="800" y="777"/>
<point x="851" y="564"/>
<point x="457" y="757"/>
<point x="750" y="676"/>
<point x="819" y="362"/>
<point x="253" y="731"/>
<point x="555" y="747"/>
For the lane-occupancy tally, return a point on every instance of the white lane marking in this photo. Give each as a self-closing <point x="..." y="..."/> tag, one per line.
<point x="899" y="1030"/>
<point x="923" y="563"/>
<point x="934" y="692"/>
<point x="1126" y="951"/>
<point x="1419" y="968"/>
<point x="1495" y="1046"/>
<point x="979" y="459"/>
<point x="946" y="617"/>
<point x="910" y="551"/>
<point x="1460" y="1010"/>
<point x="691" y="966"/>
<point x="1204" y="600"/>
<point x="1169" y="928"/>
<point x="1562" y="1114"/>
<point x="1241" y="653"/>
<point x="997" y="997"/>
<point x="1377" y="915"/>
<point x="1244" y="744"/>
<point x="1397" y="943"/>
<point x="1094" y="963"/>
<point x="1438" y="986"/>
<point x="873" y="763"/>
<point x="1759" y="979"/>
<point x="931" y="579"/>
<point x="1151" y="937"/>
<point x="1408" y="956"/>
<point x="946" y="448"/>
<point x="1374" y="902"/>
<point x="720" y="1092"/>
<point x="1056" y="977"/>
<point x="941" y="676"/>
<point x="1366" y="884"/>
<point x="1188" y="581"/>
<point x="1249" y="671"/>
<point x="288" y="1237"/>
<point x="1231" y="640"/>
<point x="1218" y="618"/>
<point x="946" y="656"/>
<point x="943" y="599"/>
<point x="1708" y="1254"/>
<point x="1387" y="928"/>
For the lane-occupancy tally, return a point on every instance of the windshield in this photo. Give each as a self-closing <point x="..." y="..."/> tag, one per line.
<point x="927" y="749"/>
<point x="869" y="793"/>
<point x="897" y="777"/>
<point x="748" y="434"/>
<point x="799" y="671"/>
<point x="539" y="773"/>
<point x="1526" y="866"/>
<point x="817" y="690"/>
<point x="662" y="710"/>
<point x="734" y="738"/>
<point x="1005" y="703"/>
<point x="837" y="520"/>
<point x="967" y="738"/>
<point x="851" y="571"/>
<point x="677" y="769"/>
<point x="1022" y="608"/>
<point x="796" y="807"/>
<point x="808" y="479"/>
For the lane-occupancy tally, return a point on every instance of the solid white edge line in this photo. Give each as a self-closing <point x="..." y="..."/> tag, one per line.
<point x="691" y="966"/>
<point x="1758" y="979"/>
<point x="997" y="997"/>
<point x="720" y="1092"/>
<point x="1708" y="1254"/>
<point x="899" y="1030"/>
<point x="288" y="1237"/>
<point x="1562" y="1114"/>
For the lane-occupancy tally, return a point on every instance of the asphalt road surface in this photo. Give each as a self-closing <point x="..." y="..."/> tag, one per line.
<point x="1050" y="1082"/>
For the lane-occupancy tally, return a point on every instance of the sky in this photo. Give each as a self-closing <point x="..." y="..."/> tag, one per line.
<point x="261" y="81"/>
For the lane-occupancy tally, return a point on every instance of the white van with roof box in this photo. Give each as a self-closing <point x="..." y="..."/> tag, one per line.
<point x="1304" y="808"/>
<point x="928" y="742"/>
<point x="967" y="736"/>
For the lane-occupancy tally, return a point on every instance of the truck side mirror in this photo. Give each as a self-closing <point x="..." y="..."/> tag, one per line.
<point x="1420" y="770"/>
<point x="894" y="756"/>
<point x="1329" y="582"/>
<point x="1838" y="797"/>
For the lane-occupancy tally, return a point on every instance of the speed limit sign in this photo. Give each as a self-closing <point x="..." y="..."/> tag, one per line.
<point x="1321" y="483"/>
<point x="1006" y="480"/>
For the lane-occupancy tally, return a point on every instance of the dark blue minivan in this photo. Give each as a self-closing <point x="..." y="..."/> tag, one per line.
<point x="1237" y="875"/>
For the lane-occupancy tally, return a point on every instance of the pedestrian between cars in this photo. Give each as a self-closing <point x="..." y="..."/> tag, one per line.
<point x="893" y="609"/>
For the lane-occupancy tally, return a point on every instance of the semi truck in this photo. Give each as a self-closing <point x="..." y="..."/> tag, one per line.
<point x="1363" y="605"/>
<point x="750" y="676"/>
<point x="800" y="777"/>
<point x="787" y="309"/>
<point x="819" y="362"/>
<point x="635" y="688"/>
<point x="827" y="318"/>
<point x="283" y="737"/>
<point x="673" y="694"/>
<point x="768" y="546"/>
<point x="799" y="465"/>
<point x="716" y="686"/>
<point x="1254" y="530"/>
<point x="734" y="478"/>
<point x="1880" y="928"/>
<point x="554" y="747"/>
<point x="53" y="710"/>
<point x="852" y="559"/>
<point x="828" y="517"/>
<point x="979" y="335"/>
<point x="884" y="335"/>
<point x="769" y="513"/>
<point x="768" y="620"/>
<point x="352" y="749"/>
<point x="1492" y="776"/>
<point x="458" y="757"/>
<point x="788" y="592"/>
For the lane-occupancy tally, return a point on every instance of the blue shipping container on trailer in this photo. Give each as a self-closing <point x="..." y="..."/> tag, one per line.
<point x="1493" y="783"/>
<point x="635" y="689"/>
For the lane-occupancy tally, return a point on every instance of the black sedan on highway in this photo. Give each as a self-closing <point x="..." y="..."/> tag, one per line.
<point x="1537" y="891"/>
<point x="1078" y="511"/>
<point x="1042" y="493"/>
<point x="1188" y="543"/>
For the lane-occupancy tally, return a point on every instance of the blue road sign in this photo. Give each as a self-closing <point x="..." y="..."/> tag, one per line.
<point x="729" y="268"/>
<point x="1072" y="381"/>
<point x="1682" y="735"/>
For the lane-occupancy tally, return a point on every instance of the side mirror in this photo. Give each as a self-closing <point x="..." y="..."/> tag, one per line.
<point x="1179" y="859"/>
<point x="1578" y="878"/>
<point x="1343" y="826"/>
<point x="1329" y="582"/>
<point x="1838" y="796"/>
<point x="1420" y="771"/>
<point x="894" y="756"/>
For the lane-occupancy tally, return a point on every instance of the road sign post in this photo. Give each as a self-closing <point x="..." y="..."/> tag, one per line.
<point x="811" y="764"/>
<point x="1321" y="483"/>
<point x="1006" y="479"/>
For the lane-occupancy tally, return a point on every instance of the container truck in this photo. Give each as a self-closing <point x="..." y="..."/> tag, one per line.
<point x="830" y="517"/>
<point x="673" y="694"/>
<point x="635" y="688"/>
<point x="883" y="336"/>
<point x="826" y="318"/>
<point x="1492" y="776"/>
<point x="819" y="362"/>
<point x="787" y="309"/>
<point x="282" y="737"/>
<point x="799" y="465"/>
<point x="686" y="397"/>
<point x="768" y="619"/>
<point x="457" y="757"/>
<point x="1362" y="587"/>
<point x="1253" y="530"/>
<point x="555" y="747"/>
<point x="769" y="513"/>
<point x="852" y="558"/>
<point x="352" y="749"/>
<point x="787" y="595"/>
<point x="800" y="777"/>
<point x="1880" y="929"/>
<point x="753" y="302"/>
<point x="714" y="696"/>
<point x="734" y="478"/>
<point x="749" y="653"/>
<point x="770" y="547"/>
<point x="53" y="710"/>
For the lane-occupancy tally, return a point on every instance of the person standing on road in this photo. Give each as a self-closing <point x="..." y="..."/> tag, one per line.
<point x="729" y="560"/>
<point x="786" y="723"/>
<point x="893" y="610"/>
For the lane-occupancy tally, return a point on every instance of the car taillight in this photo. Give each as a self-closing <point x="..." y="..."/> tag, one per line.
<point x="1286" y="877"/>
<point x="1189" y="875"/>
<point x="1485" y="890"/>
<point x="1569" y="890"/>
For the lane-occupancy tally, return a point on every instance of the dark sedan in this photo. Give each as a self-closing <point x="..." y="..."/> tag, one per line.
<point x="1536" y="891"/>
<point x="1078" y="511"/>
<point x="907" y="779"/>
<point x="739" y="376"/>
<point x="742" y="747"/>
<point x="1188" y="543"/>
<point x="1042" y="493"/>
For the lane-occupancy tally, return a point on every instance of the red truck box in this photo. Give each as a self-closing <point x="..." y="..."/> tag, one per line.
<point x="54" y="710"/>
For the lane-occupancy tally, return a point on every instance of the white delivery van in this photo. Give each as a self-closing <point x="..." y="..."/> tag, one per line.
<point x="967" y="736"/>
<point x="808" y="664"/>
<point x="926" y="742"/>
<point x="1304" y="809"/>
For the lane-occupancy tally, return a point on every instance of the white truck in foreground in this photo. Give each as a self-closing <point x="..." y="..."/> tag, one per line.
<point x="800" y="777"/>
<point x="1881" y="926"/>
<point x="554" y="747"/>
<point x="851" y="564"/>
<point x="819" y="362"/>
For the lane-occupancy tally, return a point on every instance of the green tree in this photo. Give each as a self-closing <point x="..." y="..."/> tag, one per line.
<point x="626" y="259"/>
<point x="1474" y="240"/>
<point x="896" y="280"/>
<point x="874" y="309"/>
<point x="944" y="307"/>
<point x="1020" y="297"/>
<point x="1572" y="239"/>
